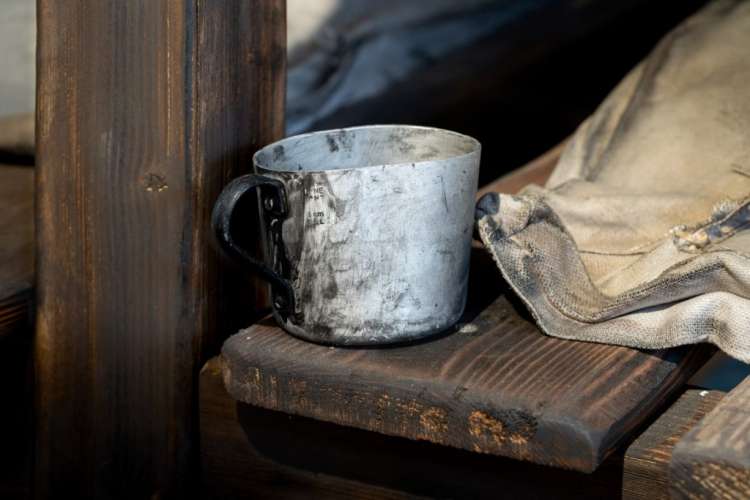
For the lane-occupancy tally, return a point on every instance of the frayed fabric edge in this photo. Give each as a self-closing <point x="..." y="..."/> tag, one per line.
<point x="651" y="327"/>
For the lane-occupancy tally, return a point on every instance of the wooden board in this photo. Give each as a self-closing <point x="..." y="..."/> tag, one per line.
<point x="646" y="470"/>
<point x="145" y="109"/>
<point x="496" y="386"/>
<point x="16" y="248"/>
<point x="250" y="452"/>
<point x="713" y="459"/>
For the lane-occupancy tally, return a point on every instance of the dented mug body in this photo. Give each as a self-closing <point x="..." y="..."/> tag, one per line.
<point x="367" y="231"/>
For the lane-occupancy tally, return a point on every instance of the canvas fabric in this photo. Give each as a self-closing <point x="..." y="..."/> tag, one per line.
<point x="641" y="237"/>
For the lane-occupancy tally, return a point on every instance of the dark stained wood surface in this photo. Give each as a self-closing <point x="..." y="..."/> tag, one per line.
<point x="496" y="386"/>
<point x="646" y="469"/>
<point x="144" y="111"/>
<point x="250" y="452"/>
<point x="713" y="459"/>
<point x="16" y="248"/>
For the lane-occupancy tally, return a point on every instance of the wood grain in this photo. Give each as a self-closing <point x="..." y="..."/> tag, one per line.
<point x="713" y="459"/>
<point x="144" y="110"/>
<point x="496" y="386"/>
<point x="16" y="248"/>
<point x="646" y="470"/>
<point x="250" y="452"/>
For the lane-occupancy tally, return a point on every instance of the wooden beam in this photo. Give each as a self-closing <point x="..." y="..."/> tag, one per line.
<point x="713" y="459"/>
<point x="646" y="471"/>
<point x="144" y="111"/>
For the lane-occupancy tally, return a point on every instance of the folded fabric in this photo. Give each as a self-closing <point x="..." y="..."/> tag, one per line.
<point x="640" y="237"/>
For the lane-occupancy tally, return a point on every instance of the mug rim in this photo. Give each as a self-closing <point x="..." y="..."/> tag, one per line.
<point x="476" y="148"/>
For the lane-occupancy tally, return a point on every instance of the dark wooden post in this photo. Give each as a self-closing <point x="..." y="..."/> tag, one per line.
<point x="145" y="109"/>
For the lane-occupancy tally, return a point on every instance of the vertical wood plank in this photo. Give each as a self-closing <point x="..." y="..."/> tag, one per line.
<point x="713" y="459"/>
<point x="646" y="468"/>
<point x="144" y="110"/>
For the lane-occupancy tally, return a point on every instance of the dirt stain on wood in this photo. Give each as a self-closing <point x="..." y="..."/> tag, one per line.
<point x="434" y="420"/>
<point x="514" y="426"/>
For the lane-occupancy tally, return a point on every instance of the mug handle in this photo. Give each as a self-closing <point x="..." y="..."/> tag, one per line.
<point x="273" y="203"/>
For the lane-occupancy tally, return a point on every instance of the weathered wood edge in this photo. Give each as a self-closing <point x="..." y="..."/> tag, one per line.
<point x="713" y="459"/>
<point x="646" y="462"/>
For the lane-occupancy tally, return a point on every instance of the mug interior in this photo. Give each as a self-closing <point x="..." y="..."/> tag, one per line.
<point x="359" y="147"/>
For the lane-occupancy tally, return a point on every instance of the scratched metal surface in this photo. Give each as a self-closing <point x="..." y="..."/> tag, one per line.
<point x="378" y="234"/>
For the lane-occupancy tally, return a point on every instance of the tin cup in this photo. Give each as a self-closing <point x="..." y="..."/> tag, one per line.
<point x="367" y="231"/>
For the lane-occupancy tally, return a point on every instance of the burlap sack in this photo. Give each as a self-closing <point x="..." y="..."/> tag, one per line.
<point x="640" y="237"/>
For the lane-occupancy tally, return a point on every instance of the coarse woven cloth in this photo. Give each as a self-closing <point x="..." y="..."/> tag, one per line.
<point x="641" y="235"/>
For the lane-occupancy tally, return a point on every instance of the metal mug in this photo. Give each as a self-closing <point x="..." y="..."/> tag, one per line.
<point x="367" y="231"/>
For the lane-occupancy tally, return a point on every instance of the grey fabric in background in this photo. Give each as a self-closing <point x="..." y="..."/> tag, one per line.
<point x="640" y="237"/>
